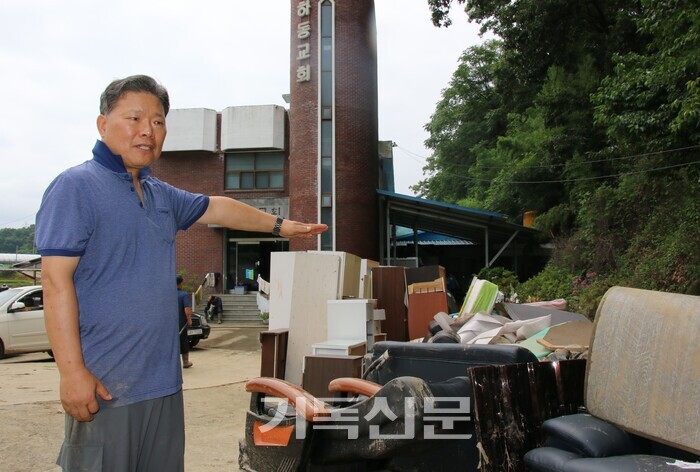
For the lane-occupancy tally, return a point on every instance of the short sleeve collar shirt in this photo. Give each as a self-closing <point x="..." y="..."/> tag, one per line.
<point x="125" y="279"/>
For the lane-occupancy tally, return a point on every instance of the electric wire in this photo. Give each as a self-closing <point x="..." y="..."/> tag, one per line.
<point x="634" y="156"/>
<point x="598" y="177"/>
<point x="3" y="225"/>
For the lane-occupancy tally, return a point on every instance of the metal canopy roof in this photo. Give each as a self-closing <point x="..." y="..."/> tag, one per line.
<point x="482" y="227"/>
<point x="430" y="238"/>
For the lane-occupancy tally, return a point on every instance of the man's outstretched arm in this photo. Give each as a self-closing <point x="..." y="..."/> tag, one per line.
<point x="231" y="213"/>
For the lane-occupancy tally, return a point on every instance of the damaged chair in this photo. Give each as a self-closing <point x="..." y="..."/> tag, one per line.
<point x="436" y="363"/>
<point x="642" y="390"/>
<point x="390" y="427"/>
<point x="437" y="434"/>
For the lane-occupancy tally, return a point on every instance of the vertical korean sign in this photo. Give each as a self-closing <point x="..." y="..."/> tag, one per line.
<point x="304" y="34"/>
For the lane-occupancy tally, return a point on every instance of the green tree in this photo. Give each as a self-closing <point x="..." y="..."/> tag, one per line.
<point x="649" y="108"/>
<point x="468" y="117"/>
<point x="598" y="108"/>
<point x="651" y="101"/>
<point x="538" y="34"/>
<point x="533" y="122"/>
<point x="17" y="240"/>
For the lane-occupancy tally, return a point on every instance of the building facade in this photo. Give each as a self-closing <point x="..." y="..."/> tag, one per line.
<point x="334" y="163"/>
<point x="240" y="152"/>
<point x="316" y="162"/>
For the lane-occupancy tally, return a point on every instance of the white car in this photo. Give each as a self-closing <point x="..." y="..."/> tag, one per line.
<point x="22" y="321"/>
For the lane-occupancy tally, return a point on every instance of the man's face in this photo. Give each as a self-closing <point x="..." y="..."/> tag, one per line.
<point x="134" y="129"/>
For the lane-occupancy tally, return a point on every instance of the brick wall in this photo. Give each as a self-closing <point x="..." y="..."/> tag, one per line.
<point x="357" y="159"/>
<point x="303" y="129"/>
<point x="356" y="138"/>
<point x="200" y="249"/>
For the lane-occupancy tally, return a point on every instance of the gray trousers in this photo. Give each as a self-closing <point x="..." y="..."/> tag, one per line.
<point x="142" y="437"/>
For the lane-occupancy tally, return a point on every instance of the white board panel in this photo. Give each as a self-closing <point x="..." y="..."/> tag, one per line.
<point x="301" y="283"/>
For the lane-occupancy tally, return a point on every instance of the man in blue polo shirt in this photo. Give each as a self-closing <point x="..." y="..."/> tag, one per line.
<point x="106" y="231"/>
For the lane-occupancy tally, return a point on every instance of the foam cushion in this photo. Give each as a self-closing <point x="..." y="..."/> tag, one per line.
<point x="548" y="459"/>
<point x="588" y="436"/>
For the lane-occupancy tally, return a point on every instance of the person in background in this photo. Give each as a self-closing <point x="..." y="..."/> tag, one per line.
<point x="184" y="309"/>
<point x="106" y="233"/>
<point x="214" y="308"/>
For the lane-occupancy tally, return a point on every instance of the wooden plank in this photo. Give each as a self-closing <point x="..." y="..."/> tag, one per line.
<point x="366" y="277"/>
<point x="572" y="335"/>
<point x="349" y="276"/>
<point x="437" y="285"/>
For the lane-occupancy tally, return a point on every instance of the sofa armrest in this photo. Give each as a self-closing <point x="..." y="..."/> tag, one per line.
<point x="305" y="404"/>
<point x="588" y="436"/>
<point x="354" y="386"/>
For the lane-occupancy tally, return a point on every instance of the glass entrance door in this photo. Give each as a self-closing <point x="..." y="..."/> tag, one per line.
<point x="245" y="260"/>
<point x="248" y="265"/>
<point x="243" y="264"/>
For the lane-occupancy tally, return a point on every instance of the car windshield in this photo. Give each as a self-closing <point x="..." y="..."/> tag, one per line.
<point x="8" y="294"/>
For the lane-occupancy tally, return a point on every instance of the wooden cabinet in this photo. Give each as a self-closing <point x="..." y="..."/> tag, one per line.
<point x="340" y="347"/>
<point x="422" y="308"/>
<point x="320" y="370"/>
<point x="274" y="353"/>
<point x="389" y="289"/>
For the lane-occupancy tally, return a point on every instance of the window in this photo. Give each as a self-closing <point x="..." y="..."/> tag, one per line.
<point x="33" y="301"/>
<point x="254" y="170"/>
<point x="327" y="125"/>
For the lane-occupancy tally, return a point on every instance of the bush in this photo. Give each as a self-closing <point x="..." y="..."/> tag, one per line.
<point x="14" y="279"/>
<point x="586" y="298"/>
<point x="190" y="282"/>
<point x="552" y="283"/>
<point x="582" y="292"/>
<point x="506" y="280"/>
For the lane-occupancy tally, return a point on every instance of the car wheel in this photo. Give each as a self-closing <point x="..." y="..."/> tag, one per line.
<point x="2" y="349"/>
<point x="194" y="342"/>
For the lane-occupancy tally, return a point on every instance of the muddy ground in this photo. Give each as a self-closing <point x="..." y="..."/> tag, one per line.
<point x="215" y="404"/>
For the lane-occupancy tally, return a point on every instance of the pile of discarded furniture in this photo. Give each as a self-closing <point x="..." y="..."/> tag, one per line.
<point x="349" y="382"/>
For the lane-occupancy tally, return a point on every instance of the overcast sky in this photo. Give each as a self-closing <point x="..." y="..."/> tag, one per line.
<point x="56" y="57"/>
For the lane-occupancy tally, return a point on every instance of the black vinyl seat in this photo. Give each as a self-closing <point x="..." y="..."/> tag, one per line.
<point x="433" y="377"/>
<point x="392" y="428"/>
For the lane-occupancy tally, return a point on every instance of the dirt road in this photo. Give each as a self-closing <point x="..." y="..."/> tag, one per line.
<point x="215" y="404"/>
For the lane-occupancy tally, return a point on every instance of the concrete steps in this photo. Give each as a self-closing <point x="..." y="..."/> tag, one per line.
<point x="238" y="308"/>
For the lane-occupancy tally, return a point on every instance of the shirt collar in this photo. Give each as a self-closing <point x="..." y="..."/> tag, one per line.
<point x="114" y="162"/>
